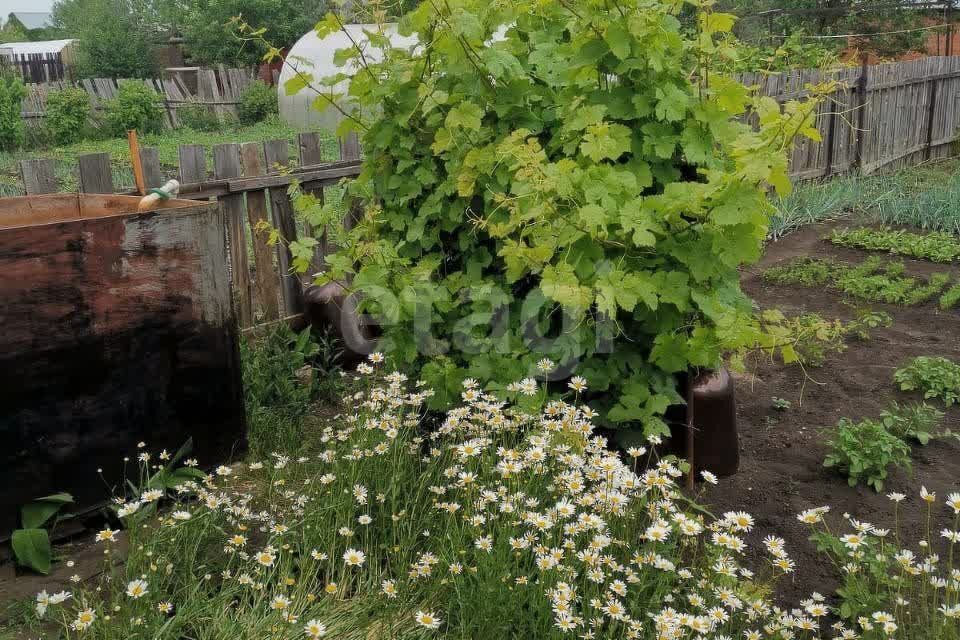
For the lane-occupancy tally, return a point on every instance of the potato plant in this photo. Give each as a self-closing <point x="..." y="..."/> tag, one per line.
<point x="935" y="377"/>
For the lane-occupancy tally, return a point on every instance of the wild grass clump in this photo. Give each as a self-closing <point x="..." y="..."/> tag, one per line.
<point x="496" y="523"/>
<point x="284" y="373"/>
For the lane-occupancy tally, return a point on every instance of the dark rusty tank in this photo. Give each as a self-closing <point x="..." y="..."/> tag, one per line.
<point x="117" y="329"/>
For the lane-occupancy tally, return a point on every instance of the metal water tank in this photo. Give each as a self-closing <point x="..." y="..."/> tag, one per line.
<point x="314" y="55"/>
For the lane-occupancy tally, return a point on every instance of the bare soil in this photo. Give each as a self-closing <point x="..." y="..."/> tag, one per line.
<point x="782" y="452"/>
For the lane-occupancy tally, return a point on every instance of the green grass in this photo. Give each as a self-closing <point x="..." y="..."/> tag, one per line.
<point x="167" y="143"/>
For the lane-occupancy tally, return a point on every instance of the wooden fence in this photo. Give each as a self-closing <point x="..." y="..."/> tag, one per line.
<point x="882" y="117"/>
<point x="36" y="67"/>
<point x="250" y="181"/>
<point x="219" y="89"/>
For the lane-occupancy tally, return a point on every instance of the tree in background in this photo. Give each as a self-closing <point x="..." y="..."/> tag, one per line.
<point x="13" y="31"/>
<point x="207" y="28"/>
<point x="763" y="24"/>
<point x="116" y="36"/>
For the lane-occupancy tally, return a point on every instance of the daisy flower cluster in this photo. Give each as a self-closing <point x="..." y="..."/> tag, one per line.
<point x="890" y="581"/>
<point x="485" y="522"/>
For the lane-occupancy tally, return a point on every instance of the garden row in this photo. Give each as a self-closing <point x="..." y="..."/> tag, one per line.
<point x="876" y="279"/>
<point x="866" y="450"/>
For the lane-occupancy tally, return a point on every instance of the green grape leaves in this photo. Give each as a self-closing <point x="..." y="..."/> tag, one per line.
<point x="583" y="186"/>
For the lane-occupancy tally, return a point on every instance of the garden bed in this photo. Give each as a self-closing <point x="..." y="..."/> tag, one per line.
<point x="782" y="469"/>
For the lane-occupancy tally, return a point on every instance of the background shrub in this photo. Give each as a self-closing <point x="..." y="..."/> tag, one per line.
<point x="136" y="106"/>
<point x="199" y="117"/>
<point x="257" y="103"/>
<point x="12" y="127"/>
<point x="68" y="115"/>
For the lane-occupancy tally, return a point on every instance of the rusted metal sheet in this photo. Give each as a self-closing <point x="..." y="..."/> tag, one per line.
<point x="116" y="328"/>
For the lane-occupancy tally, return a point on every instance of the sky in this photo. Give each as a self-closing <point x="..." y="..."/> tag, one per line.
<point x="6" y="6"/>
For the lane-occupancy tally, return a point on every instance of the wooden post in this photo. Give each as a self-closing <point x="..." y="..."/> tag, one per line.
<point x="96" y="175"/>
<point x="267" y="280"/>
<point x="226" y="164"/>
<point x="350" y="147"/>
<point x="135" y="160"/>
<point x="39" y="176"/>
<point x="350" y="150"/>
<point x="950" y="31"/>
<point x="276" y="153"/>
<point x="831" y="138"/>
<point x="931" y="114"/>
<point x="862" y="83"/>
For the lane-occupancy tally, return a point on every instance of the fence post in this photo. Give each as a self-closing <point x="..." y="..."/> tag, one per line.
<point x="276" y="153"/>
<point x="831" y="138"/>
<point x="266" y="281"/>
<point x="226" y="165"/>
<point x="350" y="150"/>
<point x="96" y="175"/>
<point x="39" y="176"/>
<point x="932" y="112"/>
<point x="350" y="147"/>
<point x="862" y="83"/>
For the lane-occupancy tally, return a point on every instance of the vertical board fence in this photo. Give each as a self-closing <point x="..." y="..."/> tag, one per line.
<point x="250" y="181"/>
<point x="881" y="117"/>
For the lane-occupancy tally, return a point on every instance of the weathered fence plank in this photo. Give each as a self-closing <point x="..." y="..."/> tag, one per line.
<point x="278" y="158"/>
<point x="96" y="175"/>
<point x="226" y="164"/>
<point x="193" y="163"/>
<point x="266" y="280"/>
<point x="39" y="176"/>
<point x="150" y="161"/>
<point x="311" y="154"/>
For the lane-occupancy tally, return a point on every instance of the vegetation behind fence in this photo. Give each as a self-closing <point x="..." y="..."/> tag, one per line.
<point x="219" y="89"/>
